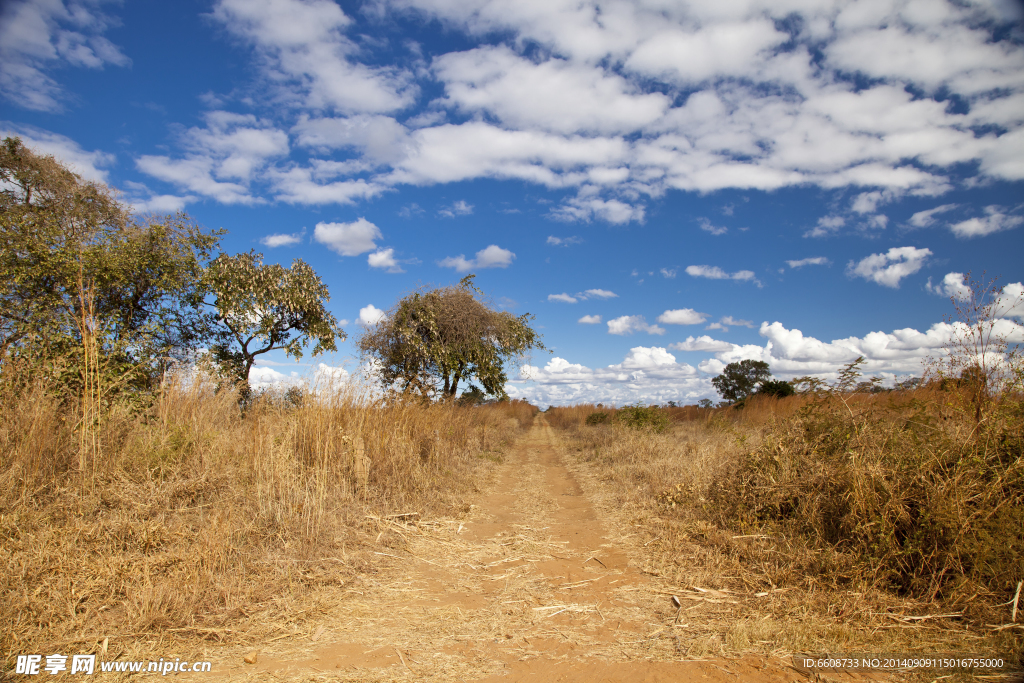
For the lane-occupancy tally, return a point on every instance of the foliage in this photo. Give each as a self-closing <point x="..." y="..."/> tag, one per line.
<point x="433" y="339"/>
<point x="73" y="258"/>
<point x="739" y="380"/>
<point x="777" y="388"/>
<point x="643" y="417"/>
<point x="705" y="403"/>
<point x="597" y="418"/>
<point x="263" y="307"/>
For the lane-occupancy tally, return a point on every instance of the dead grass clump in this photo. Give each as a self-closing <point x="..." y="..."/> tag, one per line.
<point x="870" y="511"/>
<point x="928" y="505"/>
<point x="191" y="520"/>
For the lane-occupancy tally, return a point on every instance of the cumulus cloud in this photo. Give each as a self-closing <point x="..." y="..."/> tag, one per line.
<point x="953" y="285"/>
<point x="564" y="241"/>
<point x="37" y="37"/>
<point x="682" y="316"/>
<point x="490" y="257"/>
<point x="283" y="239"/>
<point x="628" y="324"/>
<point x="812" y="261"/>
<point x="599" y="294"/>
<point x="370" y="315"/>
<point x="583" y="296"/>
<point x="348" y="239"/>
<point x="669" y="274"/>
<point x="701" y="343"/>
<point x="648" y="374"/>
<point x="384" y="259"/>
<point x="993" y="221"/>
<point x="564" y="298"/>
<point x="654" y="375"/>
<point x="590" y="320"/>
<point x="827" y="225"/>
<point x="889" y="268"/>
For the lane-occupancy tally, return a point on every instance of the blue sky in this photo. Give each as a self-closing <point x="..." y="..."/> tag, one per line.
<point x="666" y="186"/>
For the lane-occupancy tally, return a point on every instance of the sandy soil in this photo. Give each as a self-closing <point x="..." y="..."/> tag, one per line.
<point x="534" y="584"/>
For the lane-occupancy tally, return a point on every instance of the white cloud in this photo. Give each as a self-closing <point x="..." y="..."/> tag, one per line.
<point x="307" y="59"/>
<point x="348" y="239"/>
<point x="588" y="207"/>
<point x="653" y="375"/>
<point x="554" y="95"/>
<point x="628" y="324"/>
<point x="827" y="225"/>
<point x="924" y="219"/>
<point x="385" y="260"/>
<point x="811" y="261"/>
<point x="370" y="315"/>
<point x="993" y="221"/>
<point x="953" y="285"/>
<point x="889" y="268"/>
<point x="682" y="316"/>
<point x="380" y="139"/>
<point x="701" y="343"/>
<point x="669" y="274"/>
<point x="222" y="158"/>
<point x="564" y="298"/>
<point x="283" y="239"/>
<point x="459" y="208"/>
<point x="599" y="294"/>
<point x="716" y="273"/>
<point x="490" y="257"/>
<point x="36" y="37"/>
<point x="590" y="320"/>
<point x="564" y="241"/>
<point x="89" y="165"/>
<point x="708" y="226"/>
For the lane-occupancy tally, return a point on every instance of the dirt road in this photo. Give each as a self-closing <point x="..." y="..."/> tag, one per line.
<point x="535" y="584"/>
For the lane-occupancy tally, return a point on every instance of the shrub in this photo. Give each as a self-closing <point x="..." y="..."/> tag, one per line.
<point x="597" y="418"/>
<point x="643" y="417"/>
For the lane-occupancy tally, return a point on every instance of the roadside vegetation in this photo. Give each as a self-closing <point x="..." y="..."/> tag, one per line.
<point x="896" y="512"/>
<point x="147" y="494"/>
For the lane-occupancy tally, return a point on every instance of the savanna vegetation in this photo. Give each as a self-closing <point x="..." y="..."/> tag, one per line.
<point x="897" y="515"/>
<point x="146" y="493"/>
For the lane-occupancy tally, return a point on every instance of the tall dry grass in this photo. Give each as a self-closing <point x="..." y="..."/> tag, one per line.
<point x="194" y="520"/>
<point x="898" y="494"/>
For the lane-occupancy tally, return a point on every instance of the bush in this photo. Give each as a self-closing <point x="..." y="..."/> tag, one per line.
<point x="597" y="418"/>
<point x="643" y="417"/>
<point x="775" y="387"/>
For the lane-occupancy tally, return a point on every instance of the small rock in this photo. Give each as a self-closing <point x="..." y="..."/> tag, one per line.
<point x="251" y="658"/>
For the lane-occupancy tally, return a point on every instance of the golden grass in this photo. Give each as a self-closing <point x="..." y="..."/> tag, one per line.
<point x="196" y="521"/>
<point x="791" y="498"/>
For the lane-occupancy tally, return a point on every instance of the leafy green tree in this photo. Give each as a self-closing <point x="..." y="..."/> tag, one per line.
<point x="71" y="252"/>
<point x="739" y="380"/>
<point x="432" y="340"/>
<point x="264" y="307"/>
<point x="776" y="387"/>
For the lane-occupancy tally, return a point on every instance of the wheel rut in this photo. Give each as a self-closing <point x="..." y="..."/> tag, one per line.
<point x="530" y="586"/>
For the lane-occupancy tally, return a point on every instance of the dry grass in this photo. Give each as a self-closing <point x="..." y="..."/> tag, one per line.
<point x="194" y="521"/>
<point x="857" y="517"/>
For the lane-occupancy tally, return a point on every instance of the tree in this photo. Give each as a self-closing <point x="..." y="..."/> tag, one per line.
<point x="739" y="380"/>
<point x="776" y="387"/>
<point x="263" y="307"/>
<point x="67" y="245"/>
<point x="432" y="340"/>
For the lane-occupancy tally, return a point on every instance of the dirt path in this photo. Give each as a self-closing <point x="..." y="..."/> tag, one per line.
<point x="532" y="586"/>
